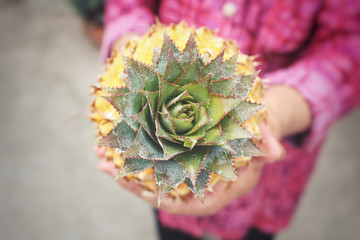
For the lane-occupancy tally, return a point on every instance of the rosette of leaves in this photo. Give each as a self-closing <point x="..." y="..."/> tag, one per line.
<point x="182" y="117"/>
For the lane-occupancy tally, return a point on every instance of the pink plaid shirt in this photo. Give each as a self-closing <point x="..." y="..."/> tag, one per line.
<point x="311" y="45"/>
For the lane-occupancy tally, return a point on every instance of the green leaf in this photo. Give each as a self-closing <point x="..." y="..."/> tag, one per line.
<point x="121" y="137"/>
<point x="150" y="79"/>
<point x="215" y="67"/>
<point x="140" y="76"/>
<point x="219" y="161"/>
<point x="192" y="74"/>
<point x="152" y="99"/>
<point x="182" y="96"/>
<point x="117" y="91"/>
<point x="201" y="62"/>
<point x="233" y="130"/>
<point x="176" y="109"/>
<point x="171" y="149"/>
<point x="245" y="148"/>
<point x="245" y="110"/>
<point x="144" y="147"/>
<point x="173" y="69"/>
<point x="200" y="185"/>
<point x="168" y="175"/>
<point x="190" y="52"/>
<point x="184" y="109"/>
<point x="167" y="46"/>
<point x="230" y="66"/>
<point x="191" y="139"/>
<point x="166" y="121"/>
<point x="243" y="86"/>
<point x="192" y="161"/>
<point x="156" y="56"/>
<point x="202" y="120"/>
<point x="182" y="124"/>
<point x="219" y="107"/>
<point x="134" y="165"/>
<point x="225" y="86"/>
<point x="161" y="132"/>
<point x="213" y="136"/>
<point x="195" y="107"/>
<point x="199" y="90"/>
<point x="133" y="73"/>
<point x="145" y="119"/>
<point x="168" y="91"/>
<point x="237" y="86"/>
<point x="128" y="104"/>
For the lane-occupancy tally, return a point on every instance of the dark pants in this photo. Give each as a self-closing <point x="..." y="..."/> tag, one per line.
<point x="166" y="233"/>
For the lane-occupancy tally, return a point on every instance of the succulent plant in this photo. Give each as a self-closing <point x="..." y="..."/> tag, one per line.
<point x="182" y="116"/>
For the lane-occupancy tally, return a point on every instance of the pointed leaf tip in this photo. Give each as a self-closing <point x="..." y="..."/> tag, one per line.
<point x="219" y="160"/>
<point x="133" y="74"/>
<point x="219" y="107"/>
<point x="168" y="175"/>
<point x="191" y="74"/>
<point x="173" y="69"/>
<point x="134" y="165"/>
<point x="201" y="182"/>
<point x="243" y="85"/>
<point x="190" y="52"/>
<point x="144" y="147"/>
<point x="192" y="161"/>
<point x="127" y="105"/>
<point x="167" y="46"/>
<point x="215" y="67"/>
<point x="245" y="110"/>
<point x="230" y="66"/>
<point x="120" y="137"/>
<point x="233" y="130"/>
<point x="245" y="147"/>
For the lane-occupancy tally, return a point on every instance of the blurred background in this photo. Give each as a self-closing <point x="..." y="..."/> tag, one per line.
<point x="50" y="186"/>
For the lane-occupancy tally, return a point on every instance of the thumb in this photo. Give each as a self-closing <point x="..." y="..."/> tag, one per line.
<point x="271" y="146"/>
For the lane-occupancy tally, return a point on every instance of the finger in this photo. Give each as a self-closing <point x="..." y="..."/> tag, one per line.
<point x="191" y="206"/>
<point x="138" y="190"/>
<point x="100" y="151"/>
<point x="271" y="146"/>
<point x="254" y="166"/>
<point x="108" y="167"/>
<point x="148" y="195"/>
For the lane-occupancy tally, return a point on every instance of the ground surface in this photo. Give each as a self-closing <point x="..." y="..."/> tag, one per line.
<point x="50" y="187"/>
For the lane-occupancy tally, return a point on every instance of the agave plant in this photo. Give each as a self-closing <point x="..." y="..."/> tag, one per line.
<point x="182" y="117"/>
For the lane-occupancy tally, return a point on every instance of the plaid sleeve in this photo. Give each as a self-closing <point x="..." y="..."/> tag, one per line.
<point x="122" y="16"/>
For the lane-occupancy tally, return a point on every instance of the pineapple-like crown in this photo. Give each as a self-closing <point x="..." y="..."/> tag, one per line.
<point x="182" y="117"/>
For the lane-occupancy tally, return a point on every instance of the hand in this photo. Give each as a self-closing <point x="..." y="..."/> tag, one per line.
<point x="287" y="113"/>
<point x="223" y="193"/>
